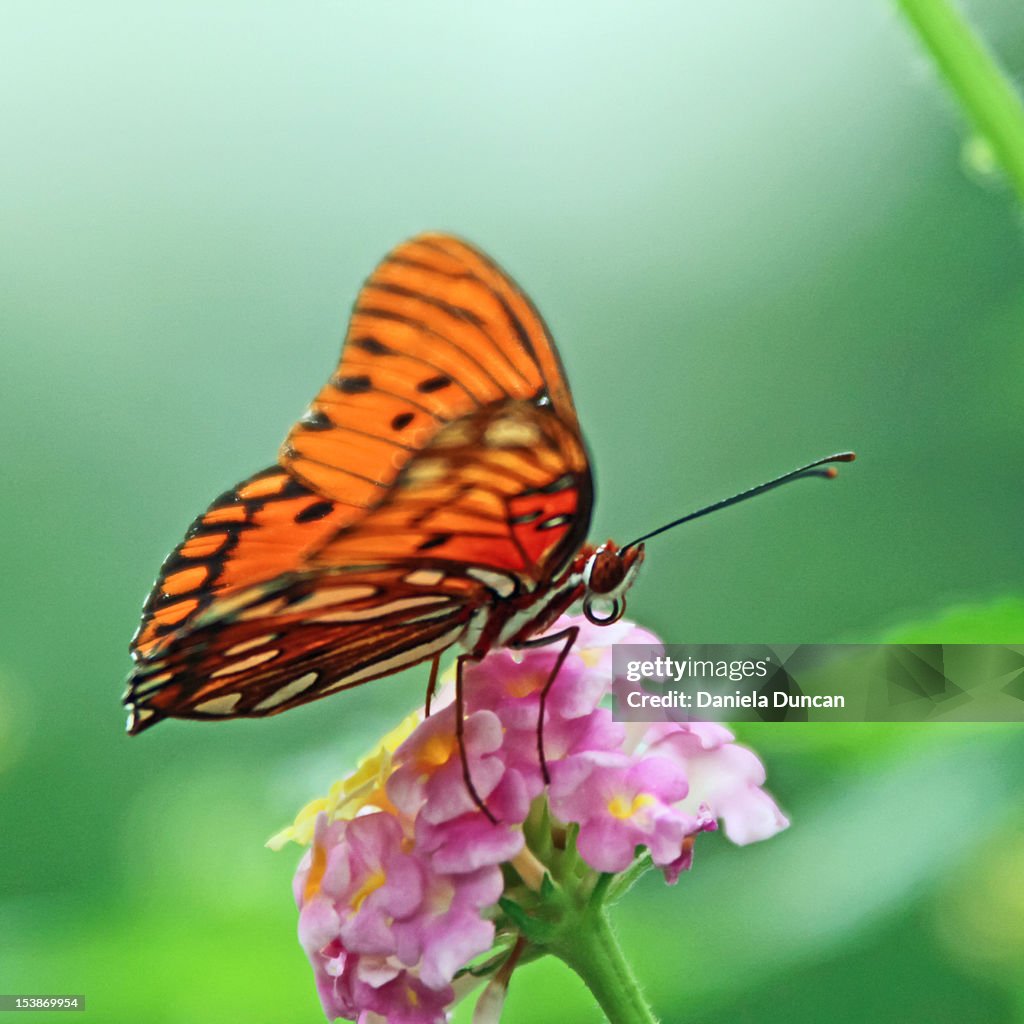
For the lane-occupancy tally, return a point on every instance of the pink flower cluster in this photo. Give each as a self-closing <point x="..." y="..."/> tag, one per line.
<point x="397" y="899"/>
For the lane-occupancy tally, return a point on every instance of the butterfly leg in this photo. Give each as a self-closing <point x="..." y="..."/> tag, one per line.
<point x="460" y="729"/>
<point x="431" y="685"/>
<point x="569" y="636"/>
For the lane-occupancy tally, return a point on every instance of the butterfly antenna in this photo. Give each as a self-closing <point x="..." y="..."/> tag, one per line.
<point x="818" y="468"/>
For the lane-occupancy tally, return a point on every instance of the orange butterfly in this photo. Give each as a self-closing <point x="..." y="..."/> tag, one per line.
<point x="437" y="491"/>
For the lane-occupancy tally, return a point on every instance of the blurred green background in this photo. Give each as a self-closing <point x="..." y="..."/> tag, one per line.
<point x="752" y="231"/>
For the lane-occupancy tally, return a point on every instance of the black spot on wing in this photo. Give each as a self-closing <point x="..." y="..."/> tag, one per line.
<point x="373" y="346"/>
<point x="353" y="385"/>
<point x="434" y="542"/>
<point x="311" y="513"/>
<point x="314" y="419"/>
<point x="432" y="384"/>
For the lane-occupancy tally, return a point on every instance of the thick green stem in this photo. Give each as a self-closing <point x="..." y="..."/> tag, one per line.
<point x="980" y="84"/>
<point x="593" y="952"/>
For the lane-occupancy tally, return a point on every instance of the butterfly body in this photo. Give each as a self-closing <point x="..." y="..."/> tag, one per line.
<point x="436" y="492"/>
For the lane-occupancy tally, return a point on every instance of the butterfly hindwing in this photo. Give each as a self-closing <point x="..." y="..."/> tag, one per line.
<point x="269" y="648"/>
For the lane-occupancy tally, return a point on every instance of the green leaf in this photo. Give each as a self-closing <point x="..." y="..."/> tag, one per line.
<point x="998" y="622"/>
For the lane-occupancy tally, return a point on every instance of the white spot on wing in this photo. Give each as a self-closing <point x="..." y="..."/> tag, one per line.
<point x="380" y="610"/>
<point x="219" y="705"/>
<point x="511" y="433"/>
<point x="440" y="613"/>
<point x="247" y="645"/>
<point x="423" y="472"/>
<point x="333" y="595"/>
<point x="424" y="577"/>
<point x="261" y="611"/>
<point x="501" y="584"/>
<point x="229" y="607"/>
<point x="150" y="684"/>
<point x="139" y="715"/>
<point x="240" y="666"/>
<point x="455" y="435"/>
<point x="286" y="692"/>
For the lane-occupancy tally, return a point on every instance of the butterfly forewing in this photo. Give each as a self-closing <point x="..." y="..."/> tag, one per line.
<point x="437" y="333"/>
<point x="506" y="489"/>
<point x="256" y="532"/>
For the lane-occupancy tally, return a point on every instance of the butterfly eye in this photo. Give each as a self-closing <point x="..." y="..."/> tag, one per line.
<point x="618" y="608"/>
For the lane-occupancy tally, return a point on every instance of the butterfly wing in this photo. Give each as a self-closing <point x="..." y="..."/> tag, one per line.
<point x="438" y="333"/>
<point x="505" y="491"/>
<point x="257" y="531"/>
<point x="446" y="443"/>
<point x="272" y="647"/>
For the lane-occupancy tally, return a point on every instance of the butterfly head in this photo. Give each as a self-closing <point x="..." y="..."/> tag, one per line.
<point x="608" y="573"/>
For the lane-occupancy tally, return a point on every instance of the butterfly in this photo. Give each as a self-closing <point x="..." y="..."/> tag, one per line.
<point x="436" y="492"/>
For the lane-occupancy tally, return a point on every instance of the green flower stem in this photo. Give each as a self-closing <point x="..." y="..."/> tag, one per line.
<point x="592" y="951"/>
<point x="975" y="76"/>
